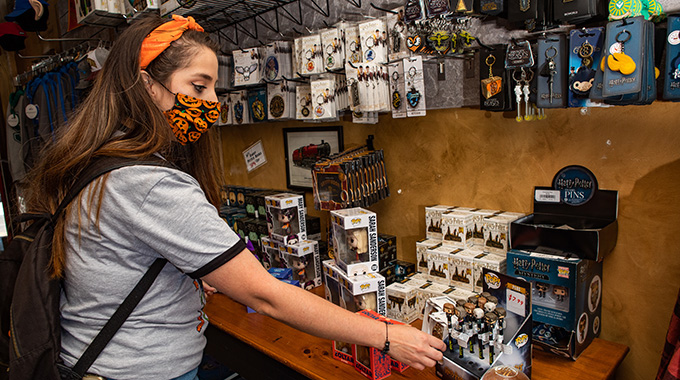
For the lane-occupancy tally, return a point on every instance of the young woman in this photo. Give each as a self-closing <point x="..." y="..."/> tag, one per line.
<point x="155" y="97"/>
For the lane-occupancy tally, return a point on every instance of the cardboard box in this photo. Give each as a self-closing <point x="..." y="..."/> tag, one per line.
<point x="457" y="229"/>
<point x="567" y="295"/>
<point x="438" y="260"/>
<point x="271" y="256"/>
<point x="421" y="253"/>
<point x="496" y="233"/>
<point x="461" y="269"/>
<point x="303" y="259"/>
<point x="355" y="240"/>
<point x="507" y="341"/>
<point x="286" y="217"/>
<point x="340" y="350"/>
<point x="369" y="361"/>
<point x="587" y="228"/>
<point x="433" y="218"/>
<point x="402" y="302"/>
<point x="363" y="292"/>
<point x="485" y="260"/>
<point x="478" y="216"/>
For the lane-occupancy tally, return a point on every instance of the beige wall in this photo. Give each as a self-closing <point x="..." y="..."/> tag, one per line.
<point x="474" y="158"/>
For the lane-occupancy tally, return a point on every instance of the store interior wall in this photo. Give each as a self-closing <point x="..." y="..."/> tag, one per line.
<point x="468" y="157"/>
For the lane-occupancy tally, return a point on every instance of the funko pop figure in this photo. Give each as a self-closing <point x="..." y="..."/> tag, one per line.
<point x="560" y="292"/>
<point x="541" y="288"/>
<point x="285" y="218"/>
<point x="358" y="270"/>
<point x="365" y="301"/>
<point x="299" y="266"/>
<point x="357" y="243"/>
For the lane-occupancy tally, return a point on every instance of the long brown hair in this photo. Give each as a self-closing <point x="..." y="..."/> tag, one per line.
<point x="119" y="118"/>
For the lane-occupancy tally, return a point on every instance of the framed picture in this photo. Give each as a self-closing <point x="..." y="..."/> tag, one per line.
<point x="305" y="146"/>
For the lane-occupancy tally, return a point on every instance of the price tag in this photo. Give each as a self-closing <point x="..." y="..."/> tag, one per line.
<point x="516" y="302"/>
<point x="254" y="156"/>
<point x="31" y="111"/>
<point x="549" y="196"/>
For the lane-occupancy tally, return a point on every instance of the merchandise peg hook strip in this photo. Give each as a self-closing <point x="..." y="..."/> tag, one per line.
<point x="382" y="9"/>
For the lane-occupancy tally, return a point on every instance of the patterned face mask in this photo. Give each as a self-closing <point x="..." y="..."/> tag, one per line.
<point x="190" y="117"/>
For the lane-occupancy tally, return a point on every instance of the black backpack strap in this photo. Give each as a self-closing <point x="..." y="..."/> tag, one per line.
<point x="116" y="321"/>
<point x="99" y="167"/>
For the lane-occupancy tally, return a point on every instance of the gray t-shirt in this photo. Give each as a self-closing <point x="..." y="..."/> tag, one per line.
<point x="146" y="212"/>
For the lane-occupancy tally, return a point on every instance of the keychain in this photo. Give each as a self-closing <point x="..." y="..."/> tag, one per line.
<point x="493" y="84"/>
<point x="620" y="61"/>
<point x="549" y="70"/>
<point x="522" y="90"/>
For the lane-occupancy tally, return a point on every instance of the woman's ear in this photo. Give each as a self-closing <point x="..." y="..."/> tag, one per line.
<point x="148" y="84"/>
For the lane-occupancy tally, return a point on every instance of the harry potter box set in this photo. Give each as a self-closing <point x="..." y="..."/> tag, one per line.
<point x="559" y="249"/>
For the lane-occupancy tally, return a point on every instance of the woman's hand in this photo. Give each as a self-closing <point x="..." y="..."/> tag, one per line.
<point x="414" y="347"/>
<point x="208" y="290"/>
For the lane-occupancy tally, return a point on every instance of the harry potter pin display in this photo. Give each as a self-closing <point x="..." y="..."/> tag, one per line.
<point x="246" y="66"/>
<point x="585" y="48"/>
<point x="303" y="102"/>
<point x="333" y="51"/>
<point x="671" y="73"/>
<point x="374" y="41"/>
<point x="415" y="86"/>
<point x="397" y="89"/>
<point x="396" y="27"/>
<point x="353" y="51"/>
<point x="257" y="102"/>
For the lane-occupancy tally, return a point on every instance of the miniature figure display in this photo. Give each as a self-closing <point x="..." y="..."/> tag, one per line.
<point x="357" y="245"/>
<point x="285" y="225"/>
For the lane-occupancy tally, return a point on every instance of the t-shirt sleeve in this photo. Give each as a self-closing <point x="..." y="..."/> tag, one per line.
<point x="176" y="220"/>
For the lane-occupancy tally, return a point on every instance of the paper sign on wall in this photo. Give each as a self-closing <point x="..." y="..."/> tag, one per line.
<point x="254" y="156"/>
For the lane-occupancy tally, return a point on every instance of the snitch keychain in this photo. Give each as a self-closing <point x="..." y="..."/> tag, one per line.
<point x="493" y="84"/>
<point x="396" y="96"/>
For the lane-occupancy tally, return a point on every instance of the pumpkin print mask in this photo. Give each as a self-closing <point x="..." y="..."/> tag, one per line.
<point x="190" y="117"/>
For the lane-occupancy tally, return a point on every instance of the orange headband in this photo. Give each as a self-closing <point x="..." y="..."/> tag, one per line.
<point x="160" y="38"/>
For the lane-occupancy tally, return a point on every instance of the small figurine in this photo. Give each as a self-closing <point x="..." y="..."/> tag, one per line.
<point x="357" y="242"/>
<point x="481" y="301"/>
<point x="500" y="312"/>
<point x="492" y="299"/>
<point x="489" y="307"/>
<point x="299" y="266"/>
<point x="285" y="218"/>
<point x="449" y="310"/>
<point x="479" y="318"/>
<point x="560" y="292"/>
<point x="541" y="288"/>
<point x="365" y="301"/>
<point x="490" y="319"/>
<point x="461" y="314"/>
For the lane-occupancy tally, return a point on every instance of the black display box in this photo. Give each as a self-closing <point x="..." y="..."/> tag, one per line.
<point x="588" y="230"/>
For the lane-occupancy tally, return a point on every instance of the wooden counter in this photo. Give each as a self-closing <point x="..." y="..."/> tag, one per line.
<point x="259" y="347"/>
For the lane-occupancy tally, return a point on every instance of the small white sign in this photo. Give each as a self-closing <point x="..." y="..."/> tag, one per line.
<point x="32" y="111"/>
<point x="13" y="120"/>
<point x="254" y="156"/>
<point x="549" y="196"/>
<point x="516" y="302"/>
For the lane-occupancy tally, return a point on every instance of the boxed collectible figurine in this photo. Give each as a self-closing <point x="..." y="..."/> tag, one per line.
<point x="427" y="291"/>
<point x="461" y="268"/>
<point x="403" y="268"/>
<point x="370" y="361"/>
<point x="421" y="253"/>
<point x="438" y="259"/>
<point x="331" y="273"/>
<point x="363" y="292"/>
<point x="303" y="259"/>
<point x="496" y="233"/>
<point x="481" y="334"/>
<point x="355" y="240"/>
<point x="433" y="219"/>
<point x="566" y="299"/>
<point x="478" y="216"/>
<point x="402" y="302"/>
<point x="387" y="249"/>
<point x="485" y="260"/>
<point x="573" y="215"/>
<point x="457" y="229"/>
<point x="286" y="218"/>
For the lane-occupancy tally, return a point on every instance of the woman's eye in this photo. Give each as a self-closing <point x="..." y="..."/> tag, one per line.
<point x="199" y="87"/>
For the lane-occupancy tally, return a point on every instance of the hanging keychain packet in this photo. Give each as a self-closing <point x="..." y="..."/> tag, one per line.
<point x="396" y="34"/>
<point x="624" y="58"/>
<point x="397" y="89"/>
<point x="303" y="102"/>
<point x="415" y="86"/>
<point x="551" y="81"/>
<point x="671" y="72"/>
<point x="257" y="104"/>
<point x="246" y="66"/>
<point x="333" y="50"/>
<point x="585" y="52"/>
<point x="494" y="94"/>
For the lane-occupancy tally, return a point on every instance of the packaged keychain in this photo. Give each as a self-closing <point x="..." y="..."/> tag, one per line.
<point x="374" y="41"/>
<point x="281" y="97"/>
<point x="323" y="99"/>
<point x="303" y="102"/>
<point x="396" y="34"/>
<point x="353" y="51"/>
<point x="413" y="10"/>
<point x="624" y="57"/>
<point x="239" y="101"/>
<point x="311" y="55"/>
<point x="397" y="89"/>
<point x="494" y="81"/>
<point x="257" y="104"/>
<point x="585" y="52"/>
<point x="415" y="86"/>
<point x="671" y="72"/>
<point x="333" y="51"/>
<point x="225" y="110"/>
<point x="551" y="83"/>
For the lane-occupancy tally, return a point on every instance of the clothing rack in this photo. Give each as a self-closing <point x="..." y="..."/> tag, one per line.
<point x="52" y="61"/>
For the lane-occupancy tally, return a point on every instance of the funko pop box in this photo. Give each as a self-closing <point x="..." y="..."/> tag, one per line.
<point x="286" y="217"/>
<point x="355" y="240"/>
<point x="566" y="294"/>
<point x="303" y="258"/>
<point x="512" y="345"/>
